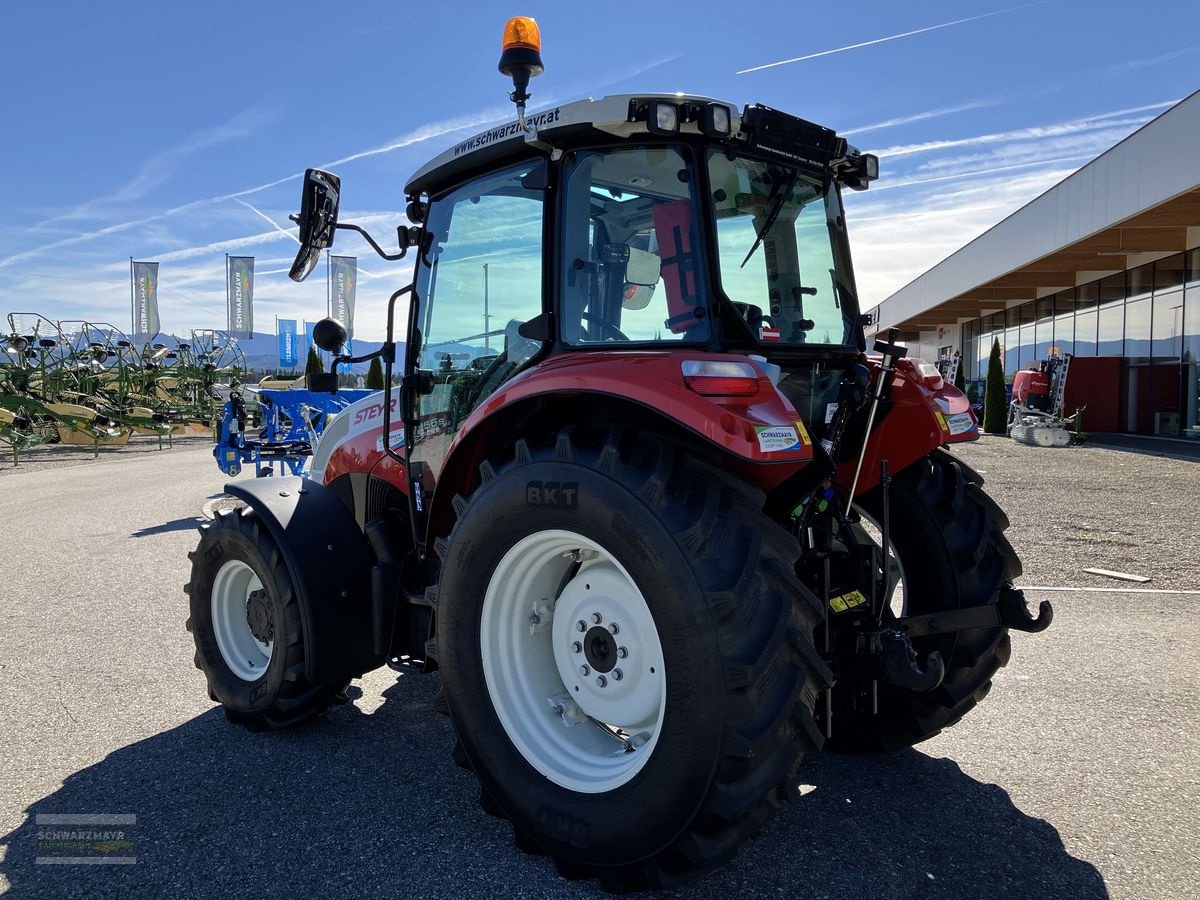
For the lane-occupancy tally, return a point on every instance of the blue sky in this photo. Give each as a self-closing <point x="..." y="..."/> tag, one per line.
<point x="173" y="132"/>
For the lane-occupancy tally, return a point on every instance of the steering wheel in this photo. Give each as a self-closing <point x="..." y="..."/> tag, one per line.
<point x="604" y="323"/>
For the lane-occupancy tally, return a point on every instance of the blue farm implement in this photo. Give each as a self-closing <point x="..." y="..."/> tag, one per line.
<point x="289" y="423"/>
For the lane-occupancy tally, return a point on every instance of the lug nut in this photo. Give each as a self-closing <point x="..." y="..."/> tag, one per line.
<point x="602" y="681"/>
<point x="617" y="674"/>
<point x="577" y="647"/>
<point x="597" y="618"/>
<point x="585" y="670"/>
<point x="622" y="652"/>
<point x="581" y="625"/>
<point x="614" y="628"/>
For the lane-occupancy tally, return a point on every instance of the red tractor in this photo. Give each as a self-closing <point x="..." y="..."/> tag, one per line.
<point x="642" y="500"/>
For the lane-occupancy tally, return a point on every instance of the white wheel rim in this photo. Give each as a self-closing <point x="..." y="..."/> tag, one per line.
<point x="896" y="602"/>
<point x="590" y="732"/>
<point x="246" y="656"/>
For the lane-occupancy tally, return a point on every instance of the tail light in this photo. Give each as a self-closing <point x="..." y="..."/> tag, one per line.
<point x="720" y="378"/>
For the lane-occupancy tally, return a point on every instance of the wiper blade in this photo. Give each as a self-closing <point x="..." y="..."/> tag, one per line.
<point x="777" y="198"/>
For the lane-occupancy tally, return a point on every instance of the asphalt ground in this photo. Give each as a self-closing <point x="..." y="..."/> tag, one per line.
<point x="1077" y="777"/>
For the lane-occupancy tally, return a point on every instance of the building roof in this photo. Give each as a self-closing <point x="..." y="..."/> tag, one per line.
<point x="1135" y="202"/>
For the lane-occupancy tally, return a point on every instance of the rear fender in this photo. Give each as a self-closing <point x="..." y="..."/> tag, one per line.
<point x="645" y="391"/>
<point x="330" y="564"/>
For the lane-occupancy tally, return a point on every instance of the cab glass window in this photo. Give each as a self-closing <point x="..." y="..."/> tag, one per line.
<point x="631" y="249"/>
<point x="775" y="233"/>
<point x="479" y="282"/>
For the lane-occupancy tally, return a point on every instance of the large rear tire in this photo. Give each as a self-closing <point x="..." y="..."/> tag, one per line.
<point x="643" y="778"/>
<point x="245" y="621"/>
<point x="948" y="536"/>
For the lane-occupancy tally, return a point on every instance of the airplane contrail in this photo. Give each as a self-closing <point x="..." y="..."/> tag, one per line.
<point x="258" y="212"/>
<point x="891" y="37"/>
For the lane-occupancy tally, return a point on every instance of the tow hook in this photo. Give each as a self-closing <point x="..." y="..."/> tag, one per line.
<point x="900" y="666"/>
<point x="1014" y="612"/>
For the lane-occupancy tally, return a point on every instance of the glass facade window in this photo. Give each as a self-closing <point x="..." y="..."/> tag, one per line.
<point x="1064" y="324"/>
<point x="1085" y="333"/>
<point x="1110" y="330"/>
<point x="1027" y="320"/>
<point x="1168" y="273"/>
<point x="1010" y="350"/>
<point x="1137" y="327"/>
<point x="1140" y="282"/>
<point x="1043" y="328"/>
<point x="1168" y="323"/>
<point x="1192" y="270"/>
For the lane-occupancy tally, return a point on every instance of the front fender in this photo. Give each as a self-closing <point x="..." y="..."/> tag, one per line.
<point x="914" y="427"/>
<point x="330" y="565"/>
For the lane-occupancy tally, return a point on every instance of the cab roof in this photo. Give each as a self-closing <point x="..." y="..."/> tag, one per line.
<point x="609" y="115"/>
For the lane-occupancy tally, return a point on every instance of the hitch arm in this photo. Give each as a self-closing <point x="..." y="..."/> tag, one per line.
<point x="1011" y="612"/>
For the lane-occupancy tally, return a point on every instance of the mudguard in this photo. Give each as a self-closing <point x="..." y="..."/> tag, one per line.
<point x="330" y="564"/>
<point x="919" y="421"/>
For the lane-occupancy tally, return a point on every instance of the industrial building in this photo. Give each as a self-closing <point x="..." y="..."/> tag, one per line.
<point x="1105" y="264"/>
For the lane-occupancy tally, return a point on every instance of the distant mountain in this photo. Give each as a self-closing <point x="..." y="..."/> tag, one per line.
<point x="262" y="352"/>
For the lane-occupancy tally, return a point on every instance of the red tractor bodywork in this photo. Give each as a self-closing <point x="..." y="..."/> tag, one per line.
<point x="765" y="438"/>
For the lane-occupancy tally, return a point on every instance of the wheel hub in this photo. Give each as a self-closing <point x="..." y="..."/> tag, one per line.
<point x="616" y="674"/>
<point x="260" y="616"/>
<point x="600" y="649"/>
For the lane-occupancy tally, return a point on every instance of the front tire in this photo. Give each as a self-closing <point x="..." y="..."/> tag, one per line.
<point x="245" y="622"/>
<point x="664" y="772"/>
<point x="949" y="539"/>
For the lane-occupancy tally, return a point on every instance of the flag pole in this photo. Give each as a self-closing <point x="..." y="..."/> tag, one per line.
<point x="132" y="299"/>
<point x="228" y="299"/>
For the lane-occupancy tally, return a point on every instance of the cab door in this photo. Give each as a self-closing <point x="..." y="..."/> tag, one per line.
<point x="479" y="281"/>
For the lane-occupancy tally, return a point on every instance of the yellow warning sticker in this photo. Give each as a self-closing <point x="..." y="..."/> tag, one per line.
<point x="846" y="602"/>
<point x="803" y="432"/>
<point x="941" y="419"/>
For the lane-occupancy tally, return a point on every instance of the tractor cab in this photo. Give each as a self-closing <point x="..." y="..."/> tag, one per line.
<point x="641" y="221"/>
<point x="633" y="224"/>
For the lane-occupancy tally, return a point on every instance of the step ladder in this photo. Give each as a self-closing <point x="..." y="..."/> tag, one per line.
<point x="948" y="366"/>
<point x="1058" y="388"/>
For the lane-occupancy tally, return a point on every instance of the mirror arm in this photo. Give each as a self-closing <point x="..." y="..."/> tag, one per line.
<point x="387" y="352"/>
<point x="391" y="257"/>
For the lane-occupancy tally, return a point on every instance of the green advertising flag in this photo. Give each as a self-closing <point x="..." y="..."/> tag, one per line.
<point x="145" y="299"/>
<point x="343" y="278"/>
<point x="240" y="294"/>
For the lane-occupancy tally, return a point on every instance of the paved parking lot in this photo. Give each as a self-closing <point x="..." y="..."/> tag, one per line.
<point x="1078" y="777"/>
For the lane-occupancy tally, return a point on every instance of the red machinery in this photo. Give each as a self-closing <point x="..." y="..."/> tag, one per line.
<point x="649" y="531"/>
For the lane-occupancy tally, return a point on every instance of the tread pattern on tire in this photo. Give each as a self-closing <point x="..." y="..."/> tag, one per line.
<point x="972" y="526"/>
<point x="298" y="699"/>
<point x="764" y="618"/>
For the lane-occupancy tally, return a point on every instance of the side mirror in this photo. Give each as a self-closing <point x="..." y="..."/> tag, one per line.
<point x="317" y="220"/>
<point x="329" y="335"/>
